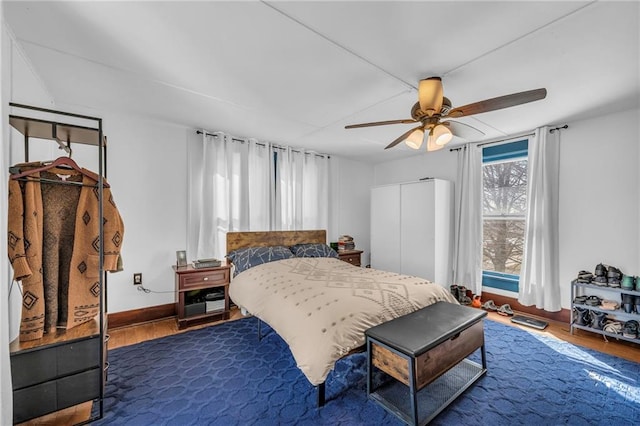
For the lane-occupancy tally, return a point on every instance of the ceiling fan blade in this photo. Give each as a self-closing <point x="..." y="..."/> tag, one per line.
<point x="498" y="103"/>
<point x="381" y="123"/>
<point x="402" y="137"/>
<point x="463" y="130"/>
<point x="430" y="95"/>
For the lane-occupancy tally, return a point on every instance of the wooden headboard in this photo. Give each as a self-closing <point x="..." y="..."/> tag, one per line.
<point x="238" y="240"/>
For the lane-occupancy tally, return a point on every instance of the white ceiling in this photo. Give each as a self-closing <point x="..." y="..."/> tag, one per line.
<point x="296" y="73"/>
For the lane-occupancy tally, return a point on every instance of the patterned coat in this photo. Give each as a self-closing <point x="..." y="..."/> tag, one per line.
<point x="54" y="249"/>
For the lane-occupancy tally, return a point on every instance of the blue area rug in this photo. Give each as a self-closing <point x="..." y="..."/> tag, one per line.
<point x="222" y="375"/>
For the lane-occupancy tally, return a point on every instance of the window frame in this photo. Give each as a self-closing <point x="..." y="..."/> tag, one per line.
<point x="510" y="151"/>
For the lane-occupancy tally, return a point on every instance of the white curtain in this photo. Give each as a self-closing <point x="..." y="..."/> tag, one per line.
<point x="288" y="189"/>
<point x="236" y="185"/>
<point x="539" y="283"/>
<point x="229" y="190"/>
<point x="315" y="190"/>
<point x="468" y="220"/>
<point x="301" y="190"/>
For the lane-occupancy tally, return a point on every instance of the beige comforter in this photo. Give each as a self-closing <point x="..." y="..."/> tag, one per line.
<point x="322" y="306"/>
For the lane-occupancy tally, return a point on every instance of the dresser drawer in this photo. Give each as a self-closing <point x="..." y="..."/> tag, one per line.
<point x="54" y="395"/>
<point x="32" y="367"/>
<point x="205" y="278"/>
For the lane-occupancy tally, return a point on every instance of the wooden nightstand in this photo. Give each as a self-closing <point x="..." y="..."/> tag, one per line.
<point x="350" y="256"/>
<point x="202" y="294"/>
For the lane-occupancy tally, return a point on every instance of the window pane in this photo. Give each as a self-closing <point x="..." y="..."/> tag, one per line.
<point x="505" y="189"/>
<point x="502" y="245"/>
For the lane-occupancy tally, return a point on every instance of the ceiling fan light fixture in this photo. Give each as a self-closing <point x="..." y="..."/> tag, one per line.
<point x="414" y="140"/>
<point x="431" y="144"/>
<point x="441" y="135"/>
<point x="430" y="95"/>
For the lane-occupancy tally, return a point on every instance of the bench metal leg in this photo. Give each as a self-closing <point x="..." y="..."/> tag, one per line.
<point x="321" y="394"/>
<point x="412" y="390"/>
<point x="260" y="335"/>
<point x="369" y="369"/>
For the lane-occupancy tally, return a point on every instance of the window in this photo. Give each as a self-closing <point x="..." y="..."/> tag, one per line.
<point x="247" y="185"/>
<point x="504" y="185"/>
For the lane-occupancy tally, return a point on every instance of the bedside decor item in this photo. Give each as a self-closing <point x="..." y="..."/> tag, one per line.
<point x="345" y="242"/>
<point x="181" y="258"/>
<point x="206" y="263"/>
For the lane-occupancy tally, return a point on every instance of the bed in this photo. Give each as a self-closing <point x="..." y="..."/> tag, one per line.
<point x="318" y="304"/>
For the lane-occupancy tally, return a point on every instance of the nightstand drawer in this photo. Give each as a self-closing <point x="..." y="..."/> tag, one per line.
<point x="205" y="278"/>
<point x="354" y="259"/>
<point x="350" y="256"/>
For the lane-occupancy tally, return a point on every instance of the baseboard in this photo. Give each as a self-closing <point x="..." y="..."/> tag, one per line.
<point x="137" y="316"/>
<point x="564" y="315"/>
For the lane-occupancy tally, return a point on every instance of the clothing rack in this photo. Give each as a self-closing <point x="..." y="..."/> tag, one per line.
<point x="44" y="123"/>
<point x="63" y="133"/>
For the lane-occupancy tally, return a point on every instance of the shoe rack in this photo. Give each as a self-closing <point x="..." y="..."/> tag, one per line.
<point x="584" y="289"/>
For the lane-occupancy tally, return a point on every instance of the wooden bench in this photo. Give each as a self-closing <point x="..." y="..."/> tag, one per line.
<point x="426" y="347"/>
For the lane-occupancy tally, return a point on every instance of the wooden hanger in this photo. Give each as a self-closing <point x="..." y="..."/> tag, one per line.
<point x="61" y="161"/>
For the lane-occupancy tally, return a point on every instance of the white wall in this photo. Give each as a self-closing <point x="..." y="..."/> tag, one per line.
<point x="349" y="209"/>
<point x="599" y="192"/>
<point x="599" y="198"/>
<point x="147" y="170"/>
<point x="441" y="164"/>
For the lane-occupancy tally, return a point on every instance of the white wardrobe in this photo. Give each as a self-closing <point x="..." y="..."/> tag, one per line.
<point x="412" y="229"/>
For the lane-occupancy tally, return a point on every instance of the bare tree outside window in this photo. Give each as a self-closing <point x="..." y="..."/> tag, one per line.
<point x="504" y="208"/>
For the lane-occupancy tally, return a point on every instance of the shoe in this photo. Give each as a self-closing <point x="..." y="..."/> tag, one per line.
<point x="614" y="272"/>
<point x="454" y="290"/>
<point x="597" y="319"/>
<point x="613" y="283"/>
<point x="637" y="303"/>
<point x="579" y="300"/>
<point x="628" y="302"/>
<point x="593" y="301"/>
<point x="490" y="305"/>
<point x="476" y="302"/>
<point x="628" y="282"/>
<point x="601" y="270"/>
<point x="584" y="277"/>
<point x="630" y="329"/>
<point x="609" y="305"/>
<point x="613" y="327"/>
<point x="601" y="281"/>
<point x="505" y="310"/>
<point x="581" y="316"/>
<point x="462" y="295"/>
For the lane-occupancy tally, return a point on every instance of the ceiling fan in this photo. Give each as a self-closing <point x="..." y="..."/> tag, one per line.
<point x="433" y="111"/>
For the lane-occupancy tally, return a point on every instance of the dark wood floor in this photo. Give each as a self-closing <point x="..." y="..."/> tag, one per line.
<point x="134" y="334"/>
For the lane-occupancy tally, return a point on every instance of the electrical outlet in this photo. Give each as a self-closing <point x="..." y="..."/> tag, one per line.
<point x="137" y="278"/>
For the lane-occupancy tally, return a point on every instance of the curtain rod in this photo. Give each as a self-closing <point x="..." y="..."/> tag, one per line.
<point x="280" y="147"/>
<point x="566" y="126"/>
